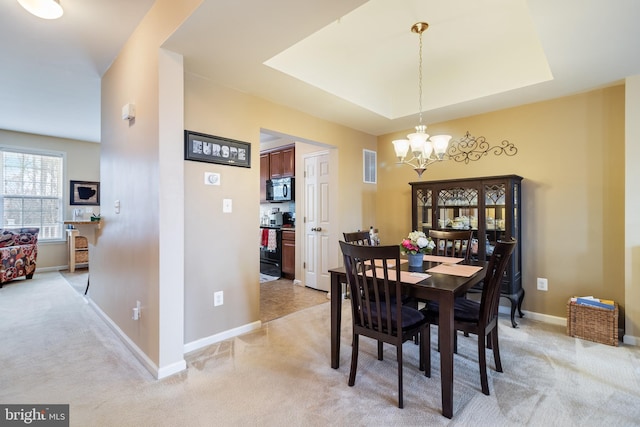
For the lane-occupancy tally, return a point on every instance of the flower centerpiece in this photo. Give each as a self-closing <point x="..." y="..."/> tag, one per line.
<point x="415" y="246"/>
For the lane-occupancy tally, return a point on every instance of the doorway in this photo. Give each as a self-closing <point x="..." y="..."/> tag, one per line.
<point x="283" y="296"/>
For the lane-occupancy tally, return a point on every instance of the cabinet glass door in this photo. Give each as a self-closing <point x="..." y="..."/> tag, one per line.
<point x="494" y="215"/>
<point x="424" y="210"/>
<point x="458" y="209"/>
<point x="516" y="227"/>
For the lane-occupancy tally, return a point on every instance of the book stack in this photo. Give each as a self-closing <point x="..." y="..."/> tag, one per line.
<point x="595" y="302"/>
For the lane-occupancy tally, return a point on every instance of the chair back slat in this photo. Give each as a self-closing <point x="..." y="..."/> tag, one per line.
<point x="358" y="237"/>
<point x="373" y="286"/>
<point x="452" y="243"/>
<point x="498" y="262"/>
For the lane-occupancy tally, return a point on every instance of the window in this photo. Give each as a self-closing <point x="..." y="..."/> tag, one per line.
<point x="369" y="160"/>
<point x="31" y="194"/>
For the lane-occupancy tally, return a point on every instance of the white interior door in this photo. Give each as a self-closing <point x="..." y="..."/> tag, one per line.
<point x="317" y="223"/>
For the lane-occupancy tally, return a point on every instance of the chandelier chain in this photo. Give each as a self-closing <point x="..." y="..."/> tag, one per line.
<point x="420" y="77"/>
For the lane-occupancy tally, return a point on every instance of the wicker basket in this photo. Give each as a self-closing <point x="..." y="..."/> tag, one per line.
<point x="592" y="323"/>
<point x="81" y="242"/>
<point x="82" y="256"/>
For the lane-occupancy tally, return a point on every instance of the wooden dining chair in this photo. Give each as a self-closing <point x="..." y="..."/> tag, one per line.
<point x="358" y="237"/>
<point x="452" y="243"/>
<point x="364" y="238"/>
<point x="479" y="318"/>
<point x="376" y="312"/>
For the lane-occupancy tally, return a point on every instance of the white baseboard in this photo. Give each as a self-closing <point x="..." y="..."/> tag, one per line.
<point x="174" y="368"/>
<point x="555" y="320"/>
<point x="54" y="268"/>
<point x="158" y="373"/>
<point x="212" y="339"/>
<point x="631" y="340"/>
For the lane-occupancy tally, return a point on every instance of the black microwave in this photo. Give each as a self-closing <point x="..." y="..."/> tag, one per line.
<point x="281" y="189"/>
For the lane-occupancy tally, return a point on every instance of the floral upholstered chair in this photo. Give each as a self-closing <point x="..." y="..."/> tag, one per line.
<point x="18" y="251"/>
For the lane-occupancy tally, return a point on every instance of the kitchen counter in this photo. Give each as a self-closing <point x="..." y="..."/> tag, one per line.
<point x="280" y="227"/>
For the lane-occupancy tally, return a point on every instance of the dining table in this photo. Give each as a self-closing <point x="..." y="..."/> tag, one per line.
<point x="446" y="281"/>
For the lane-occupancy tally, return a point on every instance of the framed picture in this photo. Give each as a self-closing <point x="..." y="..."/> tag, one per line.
<point x="215" y="149"/>
<point x="84" y="193"/>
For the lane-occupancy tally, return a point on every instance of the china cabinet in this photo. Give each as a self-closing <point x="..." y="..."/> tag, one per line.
<point x="490" y="206"/>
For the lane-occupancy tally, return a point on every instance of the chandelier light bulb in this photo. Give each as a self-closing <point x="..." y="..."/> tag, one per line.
<point x="440" y="144"/>
<point x="401" y="146"/>
<point x="427" y="150"/>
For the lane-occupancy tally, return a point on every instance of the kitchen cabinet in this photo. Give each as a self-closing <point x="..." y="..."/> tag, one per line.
<point x="490" y="206"/>
<point x="277" y="163"/>
<point x="288" y="254"/>
<point x="264" y="176"/>
<point x="281" y="162"/>
<point x="288" y="162"/>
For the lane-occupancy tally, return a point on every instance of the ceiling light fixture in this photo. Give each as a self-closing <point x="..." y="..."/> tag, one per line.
<point x="425" y="150"/>
<point x="45" y="9"/>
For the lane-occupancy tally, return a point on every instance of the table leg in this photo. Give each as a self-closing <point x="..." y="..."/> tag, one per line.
<point x="445" y="335"/>
<point x="336" y="319"/>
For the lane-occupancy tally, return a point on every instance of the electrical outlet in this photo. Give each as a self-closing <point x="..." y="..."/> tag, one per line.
<point x="543" y="284"/>
<point x="218" y="298"/>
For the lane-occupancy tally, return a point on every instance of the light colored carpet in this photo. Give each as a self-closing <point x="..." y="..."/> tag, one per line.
<point x="56" y="350"/>
<point x="78" y="279"/>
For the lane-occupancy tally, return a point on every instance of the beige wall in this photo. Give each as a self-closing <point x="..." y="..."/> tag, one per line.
<point x="127" y="263"/>
<point x="570" y="153"/>
<point x="220" y="249"/>
<point x="82" y="164"/>
<point x="632" y="207"/>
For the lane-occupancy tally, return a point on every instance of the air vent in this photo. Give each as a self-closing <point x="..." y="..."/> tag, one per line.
<point x="369" y="160"/>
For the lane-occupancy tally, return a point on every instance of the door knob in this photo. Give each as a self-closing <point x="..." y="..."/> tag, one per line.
<point x="318" y="228"/>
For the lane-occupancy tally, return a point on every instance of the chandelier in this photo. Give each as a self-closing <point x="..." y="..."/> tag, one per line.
<point x="426" y="150"/>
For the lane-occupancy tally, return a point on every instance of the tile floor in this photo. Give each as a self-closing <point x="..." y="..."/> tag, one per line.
<point x="281" y="297"/>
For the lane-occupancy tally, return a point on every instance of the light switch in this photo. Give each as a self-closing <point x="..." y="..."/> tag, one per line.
<point x="226" y="206"/>
<point x="116" y="206"/>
